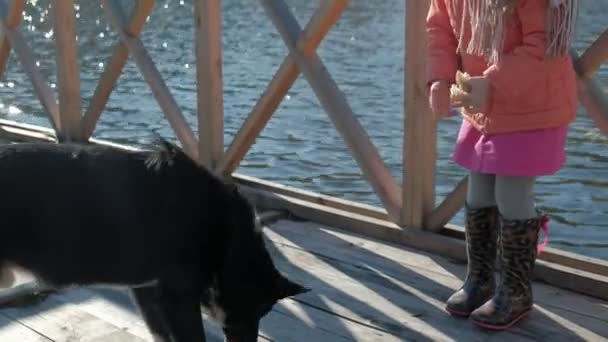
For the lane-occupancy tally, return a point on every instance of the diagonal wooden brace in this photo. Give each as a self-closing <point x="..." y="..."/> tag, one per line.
<point x="114" y="68"/>
<point x="9" y="22"/>
<point x="12" y="18"/>
<point x="338" y="109"/>
<point x="316" y="29"/>
<point x="152" y="76"/>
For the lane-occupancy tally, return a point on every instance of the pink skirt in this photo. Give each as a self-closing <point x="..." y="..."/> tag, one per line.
<point x="532" y="153"/>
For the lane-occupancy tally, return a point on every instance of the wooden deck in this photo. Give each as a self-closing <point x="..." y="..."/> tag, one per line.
<point x="363" y="290"/>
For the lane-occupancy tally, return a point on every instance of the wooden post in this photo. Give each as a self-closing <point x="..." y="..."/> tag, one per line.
<point x="419" y="150"/>
<point x="318" y="26"/>
<point x="338" y="109"/>
<point x="113" y="69"/>
<point x="210" y="104"/>
<point x="68" y="78"/>
<point x="153" y="78"/>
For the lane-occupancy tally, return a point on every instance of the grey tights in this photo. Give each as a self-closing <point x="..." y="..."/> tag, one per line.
<point x="514" y="196"/>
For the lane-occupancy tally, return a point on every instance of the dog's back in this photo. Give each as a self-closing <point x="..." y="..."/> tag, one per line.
<point x="84" y="214"/>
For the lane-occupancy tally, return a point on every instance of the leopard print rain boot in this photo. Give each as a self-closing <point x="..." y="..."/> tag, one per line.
<point x="513" y="298"/>
<point x="481" y="233"/>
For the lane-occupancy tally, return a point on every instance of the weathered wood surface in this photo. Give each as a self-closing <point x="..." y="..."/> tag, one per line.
<point x="362" y="290"/>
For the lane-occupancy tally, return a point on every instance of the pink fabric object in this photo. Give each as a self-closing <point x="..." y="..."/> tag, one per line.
<point x="527" y="153"/>
<point x="544" y="225"/>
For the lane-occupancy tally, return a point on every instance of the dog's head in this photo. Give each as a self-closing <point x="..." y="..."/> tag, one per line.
<point x="248" y="284"/>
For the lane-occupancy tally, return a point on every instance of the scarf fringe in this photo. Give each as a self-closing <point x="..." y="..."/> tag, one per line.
<point x="487" y="22"/>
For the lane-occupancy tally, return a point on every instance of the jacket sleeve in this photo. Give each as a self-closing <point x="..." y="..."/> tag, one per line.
<point x="522" y="68"/>
<point x="442" y="61"/>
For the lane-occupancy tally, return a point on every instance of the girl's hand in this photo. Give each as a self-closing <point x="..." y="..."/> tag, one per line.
<point x="477" y="98"/>
<point x="439" y="99"/>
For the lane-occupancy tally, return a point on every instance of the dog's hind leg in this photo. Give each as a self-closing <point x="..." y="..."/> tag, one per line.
<point x="183" y="311"/>
<point x="148" y="301"/>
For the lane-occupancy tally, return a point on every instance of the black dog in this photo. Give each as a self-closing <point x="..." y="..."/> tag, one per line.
<point x="153" y="221"/>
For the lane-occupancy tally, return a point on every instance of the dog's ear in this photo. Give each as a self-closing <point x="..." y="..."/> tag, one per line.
<point x="165" y="147"/>
<point x="287" y="288"/>
<point x="164" y="153"/>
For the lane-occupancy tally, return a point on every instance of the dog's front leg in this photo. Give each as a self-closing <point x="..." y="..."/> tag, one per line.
<point x="148" y="300"/>
<point x="183" y="312"/>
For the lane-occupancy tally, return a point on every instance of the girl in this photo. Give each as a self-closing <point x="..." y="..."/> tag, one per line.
<point x="517" y="106"/>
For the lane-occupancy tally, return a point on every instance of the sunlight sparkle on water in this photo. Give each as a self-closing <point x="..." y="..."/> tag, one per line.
<point x="12" y="110"/>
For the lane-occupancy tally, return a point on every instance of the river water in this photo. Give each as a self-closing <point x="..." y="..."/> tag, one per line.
<point x="300" y="147"/>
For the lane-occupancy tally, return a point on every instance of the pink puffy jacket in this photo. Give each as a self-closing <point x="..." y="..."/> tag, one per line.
<point x="530" y="91"/>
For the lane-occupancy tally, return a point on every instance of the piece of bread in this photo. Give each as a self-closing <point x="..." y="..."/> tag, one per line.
<point x="460" y="88"/>
<point x="456" y="93"/>
<point x="461" y="79"/>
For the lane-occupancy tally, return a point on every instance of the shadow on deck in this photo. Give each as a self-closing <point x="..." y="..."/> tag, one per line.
<point x="363" y="290"/>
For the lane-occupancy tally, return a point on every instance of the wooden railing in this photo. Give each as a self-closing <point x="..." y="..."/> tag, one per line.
<point x="411" y="205"/>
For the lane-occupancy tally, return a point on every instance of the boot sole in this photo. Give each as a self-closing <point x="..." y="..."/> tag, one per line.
<point x="504" y="326"/>
<point x="457" y="313"/>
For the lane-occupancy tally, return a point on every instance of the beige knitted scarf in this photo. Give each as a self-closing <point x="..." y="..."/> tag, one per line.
<point x="487" y="18"/>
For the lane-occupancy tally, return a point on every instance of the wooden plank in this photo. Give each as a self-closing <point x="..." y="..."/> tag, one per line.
<point x="376" y="228"/>
<point x="68" y="75"/>
<point x="296" y="320"/>
<point x="117" y="308"/>
<point x="278" y="87"/>
<point x="387" y="288"/>
<point x="61" y="321"/>
<point x="312" y="197"/>
<point x="336" y="105"/>
<point x="39" y="82"/>
<point x="453" y="202"/>
<point x="593" y="58"/>
<point x="19" y="134"/>
<point x="12" y="331"/>
<point x="154" y="79"/>
<point x="398" y="260"/>
<point x="113" y="69"/>
<point x="289" y="320"/>
<point x="420" y="130"/>
<point x="209" y="86"/>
